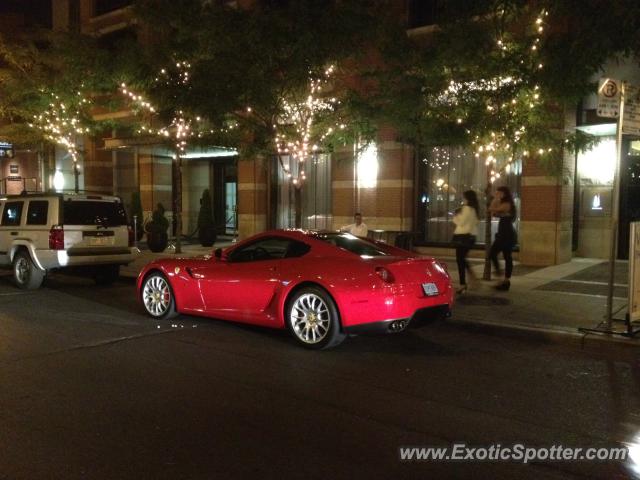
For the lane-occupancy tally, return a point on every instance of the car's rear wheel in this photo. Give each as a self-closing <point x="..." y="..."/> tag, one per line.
<point x="26" y="274"/>
<point x="107" y="274"/>
<point x="313" y="319"/>
<point x="157" y="297"/>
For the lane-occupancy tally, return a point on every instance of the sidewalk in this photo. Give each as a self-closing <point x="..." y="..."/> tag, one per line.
<point x="549" y="303"/>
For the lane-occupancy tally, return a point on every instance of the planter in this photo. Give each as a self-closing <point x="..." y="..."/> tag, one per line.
<point x="207" y="236"/>
<point x="157" y="241"/>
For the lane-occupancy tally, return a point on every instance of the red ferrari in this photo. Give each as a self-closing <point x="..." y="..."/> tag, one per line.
<point x="322" y="286"/>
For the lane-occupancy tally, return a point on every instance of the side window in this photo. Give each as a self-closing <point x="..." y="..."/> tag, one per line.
<point x="272" y="248"/>
<point x="37" y="212"/>
<point x="297" y="249"/>
<point x="12" y="214"/>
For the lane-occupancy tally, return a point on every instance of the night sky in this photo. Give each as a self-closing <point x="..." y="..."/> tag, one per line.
<point x="35" y="11"/>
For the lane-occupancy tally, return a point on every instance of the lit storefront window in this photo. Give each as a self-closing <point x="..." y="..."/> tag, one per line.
<point x="444" y="174"/>
<point x="316" y="194"/>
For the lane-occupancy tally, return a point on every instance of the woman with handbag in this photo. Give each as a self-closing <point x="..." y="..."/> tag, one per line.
<point x="464" y="235"/>
<point x="503" y="207"/>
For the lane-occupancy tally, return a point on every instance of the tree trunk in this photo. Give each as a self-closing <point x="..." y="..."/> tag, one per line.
<point x="178" y="204"/>
<point x="487" y="234"/>
<point x="76" y="177"/>
<point x="297" y="196"/>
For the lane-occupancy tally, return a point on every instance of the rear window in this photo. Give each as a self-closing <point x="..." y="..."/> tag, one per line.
<point x="87" y="212"/>
<point x="352" y="244"/>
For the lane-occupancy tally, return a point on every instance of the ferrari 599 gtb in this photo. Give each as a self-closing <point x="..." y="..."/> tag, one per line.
<point x="322" y="286"/>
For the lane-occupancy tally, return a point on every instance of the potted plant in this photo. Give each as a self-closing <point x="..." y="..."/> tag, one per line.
<point x="206" y="226"/>
<point x="136" y="211"/>
<point x="157" y="237"/>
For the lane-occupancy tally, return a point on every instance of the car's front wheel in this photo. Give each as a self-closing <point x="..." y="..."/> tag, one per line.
<point x="26" y="274"/>
<point x="312" y="317"/>
<point x="157" y="297"/>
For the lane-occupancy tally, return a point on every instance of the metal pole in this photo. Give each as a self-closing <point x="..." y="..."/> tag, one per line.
<point x="135" y="231"/>
<point x="615" y="210"/>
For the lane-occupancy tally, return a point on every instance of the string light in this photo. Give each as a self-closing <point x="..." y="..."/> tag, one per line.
<point x="62" y="123"/>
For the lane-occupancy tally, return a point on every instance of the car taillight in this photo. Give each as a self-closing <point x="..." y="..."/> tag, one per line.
<point x="131" y="239"/>
<point x="441" y="267"/>
<point x="56" y="238"/>
<point x="384" y="274"/>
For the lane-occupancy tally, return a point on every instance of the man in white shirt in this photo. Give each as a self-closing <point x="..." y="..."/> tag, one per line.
<point x="359" y="229"/>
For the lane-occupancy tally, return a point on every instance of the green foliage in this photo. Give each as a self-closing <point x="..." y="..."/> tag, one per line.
<point x="41" y="70"/>
<point x="261" y="58"/>
<point x="205" y="216"/>
<point x="159" y="222"/>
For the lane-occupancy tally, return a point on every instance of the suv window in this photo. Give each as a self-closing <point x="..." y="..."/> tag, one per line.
<point x="88" y="212"/>
<point x="37" y="212"/>
<point x="12" y="214"/>
<point x="272" y="248"/>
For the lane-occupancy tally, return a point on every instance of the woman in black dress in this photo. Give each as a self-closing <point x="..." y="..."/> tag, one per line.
<point x="503" y="207"/>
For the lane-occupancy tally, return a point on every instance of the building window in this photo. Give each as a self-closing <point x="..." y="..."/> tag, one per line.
<point x="315" y="193"/>
<point x="444" y="173"/>
<point x="106" y="6"/>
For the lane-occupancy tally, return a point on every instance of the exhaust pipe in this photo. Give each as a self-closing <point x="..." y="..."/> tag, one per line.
<point x="398" y="326"/>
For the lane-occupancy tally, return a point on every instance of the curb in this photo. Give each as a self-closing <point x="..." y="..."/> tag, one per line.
<point x="620" y="348"/>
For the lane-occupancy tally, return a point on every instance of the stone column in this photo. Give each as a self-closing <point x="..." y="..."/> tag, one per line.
<point x="252" y="196"/>
<point x="547" y="210"/>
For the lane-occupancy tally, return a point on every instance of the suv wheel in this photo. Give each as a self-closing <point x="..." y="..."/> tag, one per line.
<point x="26" y="274"/>
<point x="107" y="274"/>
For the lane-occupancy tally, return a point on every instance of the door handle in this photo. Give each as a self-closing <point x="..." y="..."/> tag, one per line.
<point x="14" y="233"/>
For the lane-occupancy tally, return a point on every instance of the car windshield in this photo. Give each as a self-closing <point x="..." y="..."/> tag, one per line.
<point x="88" y="212"/>
<point x="352" y="244"/>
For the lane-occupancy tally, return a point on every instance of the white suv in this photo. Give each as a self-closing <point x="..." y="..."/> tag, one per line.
<point x="42" y="232"/>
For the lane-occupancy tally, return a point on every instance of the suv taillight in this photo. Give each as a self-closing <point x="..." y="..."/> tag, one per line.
<point x="131" y="239"/>
<point x="56" y="238"/>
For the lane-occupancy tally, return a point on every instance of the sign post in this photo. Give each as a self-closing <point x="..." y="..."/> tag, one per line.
<point x="634" y="275"/>
<point x="611" y="104"/>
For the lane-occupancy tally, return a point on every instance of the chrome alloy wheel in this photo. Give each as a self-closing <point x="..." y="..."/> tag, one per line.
<point x="156" y="295"/>
<point x="22" y="270"/>
<point x="310" y="318"/>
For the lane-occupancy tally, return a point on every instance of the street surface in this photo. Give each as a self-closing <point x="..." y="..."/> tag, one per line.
<point x="92" y="388"/>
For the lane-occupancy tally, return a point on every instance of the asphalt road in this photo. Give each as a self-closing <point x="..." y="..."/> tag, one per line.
<point x="91" y="388"/>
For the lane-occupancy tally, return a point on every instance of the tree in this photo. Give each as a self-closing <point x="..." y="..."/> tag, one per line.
<point x="261" y="76"/>
<point x="206" y="226"/>
<point x="495" y="76"/>
<point x="171" y="120"/>
<point x="46" y="81"/>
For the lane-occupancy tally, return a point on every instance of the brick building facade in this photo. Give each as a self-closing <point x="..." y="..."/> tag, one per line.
<point x="552" y="224"/>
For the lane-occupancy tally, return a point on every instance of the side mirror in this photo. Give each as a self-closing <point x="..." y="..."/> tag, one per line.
<point x="218" y="254"/>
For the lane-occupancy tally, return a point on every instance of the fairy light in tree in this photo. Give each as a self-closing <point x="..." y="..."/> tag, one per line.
<point x="296" y="132"/>
<point x="63" y="121"/>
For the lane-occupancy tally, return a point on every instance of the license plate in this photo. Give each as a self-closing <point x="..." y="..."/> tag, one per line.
<point x="100" y="241"/>
<point x="430" y="289"/>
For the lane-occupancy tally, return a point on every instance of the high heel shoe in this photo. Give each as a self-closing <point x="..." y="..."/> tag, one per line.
<point x="461" y="289"/>
<point x="503" y="286"/>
